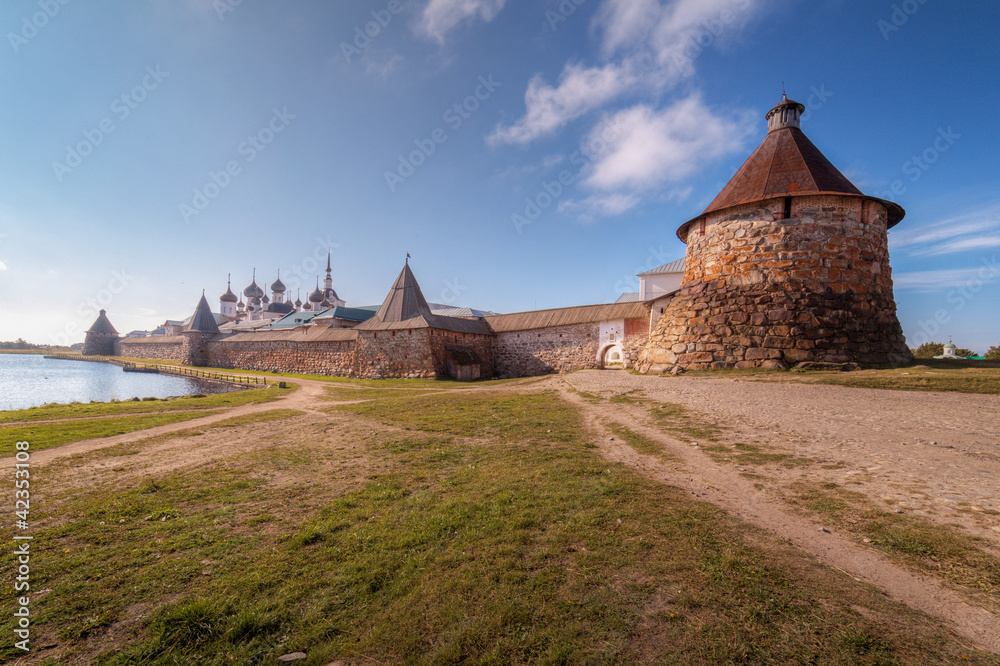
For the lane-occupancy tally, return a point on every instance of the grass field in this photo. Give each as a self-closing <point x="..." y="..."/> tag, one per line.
<point x="469" y="528"/>
<point x="55" y="425"/>
<point x="937" y="375"/>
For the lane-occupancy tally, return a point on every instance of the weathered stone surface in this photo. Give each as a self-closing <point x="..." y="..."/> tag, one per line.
<point x="758" y="287"/>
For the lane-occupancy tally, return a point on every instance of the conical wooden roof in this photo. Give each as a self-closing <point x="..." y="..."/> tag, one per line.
<point x="405" y="300"/>
<point x="786" y="164"/>
<point x="102" y="325"/>
<point x="405" y="307"/>
<point x="203" y="320"/>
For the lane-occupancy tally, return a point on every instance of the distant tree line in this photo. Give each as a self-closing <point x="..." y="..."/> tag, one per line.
<point x="932" y="349"/>
<point x="22" y="344"/>
<point x="18" y="344"/>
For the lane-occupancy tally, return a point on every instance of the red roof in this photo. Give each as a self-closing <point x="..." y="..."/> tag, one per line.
<point x="786" y="164"/>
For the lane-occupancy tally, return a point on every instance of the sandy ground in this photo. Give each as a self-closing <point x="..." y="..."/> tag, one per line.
<point x="933" y="454"/>
<point x="925" y="452"/>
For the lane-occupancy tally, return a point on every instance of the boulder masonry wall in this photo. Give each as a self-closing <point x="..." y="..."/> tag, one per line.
<point x="765" y="288"/>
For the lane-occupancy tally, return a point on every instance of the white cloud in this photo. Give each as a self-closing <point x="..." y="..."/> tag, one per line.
<point x="651" y="45"/>
<point x="441" y="16"/>
<point x="580" y="90"/>
<point x="934" y="281"/>
<point x="671" y="33"/>
<point x="3" y="266"/>
<point x="600" y="206"/>
<point x="972" y="230"/>
<point x="650" y="147"/>
<point x="383" y="69"/>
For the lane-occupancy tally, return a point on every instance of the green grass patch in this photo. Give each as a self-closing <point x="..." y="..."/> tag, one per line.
<point x="129" y="407"/>
<point x="339" y="393"/>
<point x="752" y="454"/>
<point x="47" y="435"/>
<point x="525" y="417"/>
<point x="528" y="548"/>
<point x="260" y="417"/>
<point x="939" y="375"/>
<point x="640" y="443"/>
<point x="935" y="549"/>
<point x="679" y="421"/>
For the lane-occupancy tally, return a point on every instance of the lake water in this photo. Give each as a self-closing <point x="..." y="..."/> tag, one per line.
<point x="29" y="380"/>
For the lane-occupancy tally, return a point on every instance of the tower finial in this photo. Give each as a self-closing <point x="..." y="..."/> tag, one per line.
<point x="407" y="258"/>
<point x="327" y="259"/>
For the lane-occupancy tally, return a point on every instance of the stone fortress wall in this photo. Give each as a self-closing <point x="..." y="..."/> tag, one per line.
<point x="403" y="353"/>
<point x="166" y="348"/>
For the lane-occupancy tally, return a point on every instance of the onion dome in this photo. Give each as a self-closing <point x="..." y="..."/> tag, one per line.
<point x="786" y="164"/>
<point x="278" y="287"/>
<point x="253" y="291"/>
<point x="265" y="300"/>
<point x="255" y="302"/>
<point x="298" y="301"/>
<point x="316" y="296"/>
<point x="229" y="296"/>
<point x="950" y="345"/>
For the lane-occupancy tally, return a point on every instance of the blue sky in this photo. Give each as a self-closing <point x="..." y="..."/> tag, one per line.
<point x="527" y="155"/>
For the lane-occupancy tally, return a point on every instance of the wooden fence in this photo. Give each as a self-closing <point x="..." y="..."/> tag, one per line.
<point x="164" y="369"/>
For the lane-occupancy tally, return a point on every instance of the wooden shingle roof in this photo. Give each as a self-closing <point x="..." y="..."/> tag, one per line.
<point x="102" y="325"/>
<point x="786" y="164"/>
<point x="581" y="314"/>
<point x="406" y="308"/>
<point x="203" y="320"/>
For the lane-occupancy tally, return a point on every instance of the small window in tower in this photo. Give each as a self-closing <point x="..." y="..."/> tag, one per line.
<point x="788" y="207"/>
<point x="612" y="337"/>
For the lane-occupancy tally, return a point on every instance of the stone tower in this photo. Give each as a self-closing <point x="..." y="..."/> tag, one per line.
<point x="197" y="333"/>
<point x="101" y="337"/>
<point x="789" y="263"/>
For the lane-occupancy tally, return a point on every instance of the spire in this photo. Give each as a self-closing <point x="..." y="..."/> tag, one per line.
<point x="229" y="296"/>
<point x="327" y="260"/>
<point x="316" y="296"/>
